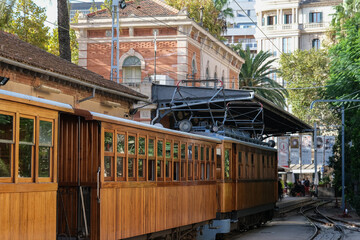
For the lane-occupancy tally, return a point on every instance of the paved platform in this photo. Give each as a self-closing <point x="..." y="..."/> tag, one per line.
<point x="289" y="201"/>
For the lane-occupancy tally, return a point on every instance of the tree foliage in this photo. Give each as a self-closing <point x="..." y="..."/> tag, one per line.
<point x="214" y="12"/>
<point x="307" y="70"/>
<point x="254" y="75"/>
<point x="6" y="8"/>
<point x="344" y="83"/>
<point x="28" y="23"/>
<point x="53" y="46"/>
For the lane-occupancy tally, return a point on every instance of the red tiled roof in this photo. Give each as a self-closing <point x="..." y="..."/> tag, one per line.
<point x="11" y="47"/>
<point x="140" y="8"/>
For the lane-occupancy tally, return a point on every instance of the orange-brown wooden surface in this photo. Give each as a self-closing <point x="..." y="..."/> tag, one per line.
<point x="69" y="151"/>
<point x="28" y="215"/>
<point x="127" y="212"/>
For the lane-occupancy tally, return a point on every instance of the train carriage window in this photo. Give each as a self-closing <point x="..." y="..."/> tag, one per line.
<point x="120" y="167"/>
<point x="45" y="147"/>
<point x="120" y="143"/>
<point x="151" y="148"/>
<point x="107" y="166"/>
<point x="212" y="154"/>
<point x="26" y="144"/>
<point x="183" y="151"/>
<point x="131" y="145"/>
<point x="207" y="154"/>
<point x="151" y="160"/>
<point x="108" y="144"/>
<point x="168" y="161"/>
<point x="142" y="143"/>
<point x="202" y="153"/>
<point x="263" y="166"/>
<point x="252" y="159"/>
<point x="239" y="164"/>
<point x="160" y="148"/>
<point x="131" y="168"/>
<point x="196" y="152"/>
<point x="141" y="167"/>
<point x="168" y="149"/>
<point x="183" y="161"/>
<point x="190" y="163"/>
<point x="159" y="170"/>
<point x="6" y="145"/>
<point x="227" y="164"/>
<point x="246" y="165"/>
<point x="207" y="171"/>
<point x="176" y="151"/>
<point x="218" y="163"/>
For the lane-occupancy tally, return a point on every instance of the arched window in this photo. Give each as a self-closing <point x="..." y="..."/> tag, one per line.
<point x="316" y="43"/>
<point x="131" y="70"/>
<point x="193" y="68"/>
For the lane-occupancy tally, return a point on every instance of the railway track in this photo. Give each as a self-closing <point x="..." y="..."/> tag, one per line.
<point x="329" y="227"/>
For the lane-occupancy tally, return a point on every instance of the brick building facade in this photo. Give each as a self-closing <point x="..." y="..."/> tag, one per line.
<point x="185" y="50"/>
<point x="36" y="73"/>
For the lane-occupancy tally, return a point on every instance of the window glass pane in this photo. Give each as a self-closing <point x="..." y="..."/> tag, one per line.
<point x="25" y="160"/>
<point x="183" y="151"/>
<point x="159" y="169"/>
<point x="167" y="168"/>
<point x="120" y="167"/>
<point x="176" y="150"/>
<point x="151" y="170"/>
<point x="202" y="153"/>
<point x="168" y="149"/>
<point x="151" y="148"/>
<point x="207" y="154"/>
<point x="44" y="161"/>
<point x="108" y="147"/>
<point x="26" y="130"/>
<point x="5" y="160"/>
<point x="120" y="143"/>
<point x="212" y="154"/>
<point x="45" y="133"/>
<point x="196" y="152"/>
<point x="6" y="127"/>
<point x="239" y="157"/>
<point x="227" y="163"/>
<point x="131" y="167"/>
<point x="131" y="145"/>
<point x="141" y="167"/>
<point x="218" y="157"/>
<point x="142" y="145"/>
<point x="107" y="166"/>
<point x="190" y="152"/>
<point x="252" y="159"/>
<point x="160" y="148"/>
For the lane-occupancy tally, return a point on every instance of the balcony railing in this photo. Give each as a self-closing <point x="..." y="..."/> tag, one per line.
<point x="315" y="25"/>
<point x="295" y="26"/>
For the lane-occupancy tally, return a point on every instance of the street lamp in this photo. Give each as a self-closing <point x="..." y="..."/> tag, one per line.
<point x="342" y="142"/>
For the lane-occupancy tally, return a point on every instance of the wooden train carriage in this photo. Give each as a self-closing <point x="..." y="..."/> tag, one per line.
<point x="28" y="167"/>
<point x="150" y="179"/>
<point x="247" y="180"/>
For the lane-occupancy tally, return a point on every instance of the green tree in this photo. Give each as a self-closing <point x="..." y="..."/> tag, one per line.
<point x="6" y="8"/>
<point x="53" y="46"/>
<point x="344" y="83"/>
<point x="307" y="70"/>
<point x="254" y="75"/>
<point x="28" y="23"/>
<point x="212" y="14"/>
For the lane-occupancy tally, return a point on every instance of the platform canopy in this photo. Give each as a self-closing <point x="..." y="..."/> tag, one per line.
<point x="212" y="108"/>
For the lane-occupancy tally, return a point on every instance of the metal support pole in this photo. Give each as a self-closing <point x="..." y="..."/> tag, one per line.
<point x="342" y="157"/>
<point x="316" y="179"/>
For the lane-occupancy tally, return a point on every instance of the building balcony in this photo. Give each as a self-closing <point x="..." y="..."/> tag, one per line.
<point x="306" y="26"/>
<point x="314" y="25"/>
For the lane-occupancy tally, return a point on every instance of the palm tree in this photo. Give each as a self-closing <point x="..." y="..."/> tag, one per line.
<point x="254" y="75"/>
<point x="63" y="29"/>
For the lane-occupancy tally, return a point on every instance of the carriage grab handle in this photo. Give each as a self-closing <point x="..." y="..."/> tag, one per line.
<point x="98" y="185"/>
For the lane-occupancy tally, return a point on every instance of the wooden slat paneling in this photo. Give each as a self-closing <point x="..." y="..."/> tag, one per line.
<point x="143" y="210"/>
<point x="28" y="215"/>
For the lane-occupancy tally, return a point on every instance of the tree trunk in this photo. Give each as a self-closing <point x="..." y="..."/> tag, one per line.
<point x="63" y="30"/>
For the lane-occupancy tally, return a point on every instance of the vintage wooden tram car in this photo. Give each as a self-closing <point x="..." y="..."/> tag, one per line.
<point x="73" y="174"/>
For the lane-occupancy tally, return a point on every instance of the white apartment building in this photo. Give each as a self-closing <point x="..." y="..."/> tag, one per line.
<point x="241" y="27"/>
<point x="292" y="24"/>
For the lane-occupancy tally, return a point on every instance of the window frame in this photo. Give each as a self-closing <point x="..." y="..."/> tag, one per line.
<point x="12" y="148"/>
<point x="51" y="160"/>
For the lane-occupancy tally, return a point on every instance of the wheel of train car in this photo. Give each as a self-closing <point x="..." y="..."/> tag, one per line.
<point x="185" y="125"/>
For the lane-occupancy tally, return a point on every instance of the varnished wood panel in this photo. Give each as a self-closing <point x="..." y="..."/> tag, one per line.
<point x="69" y="150"/>
<point x="128" y="212"/>
<point x="30" y="215"/>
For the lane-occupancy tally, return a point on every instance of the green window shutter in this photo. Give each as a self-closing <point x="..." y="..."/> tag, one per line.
<point x="321" y="17"/>
<point x="275" y="19"/>
<point x="311" y="18"/>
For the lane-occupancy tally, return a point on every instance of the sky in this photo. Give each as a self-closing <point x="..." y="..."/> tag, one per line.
<point x="51" y="10"/>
